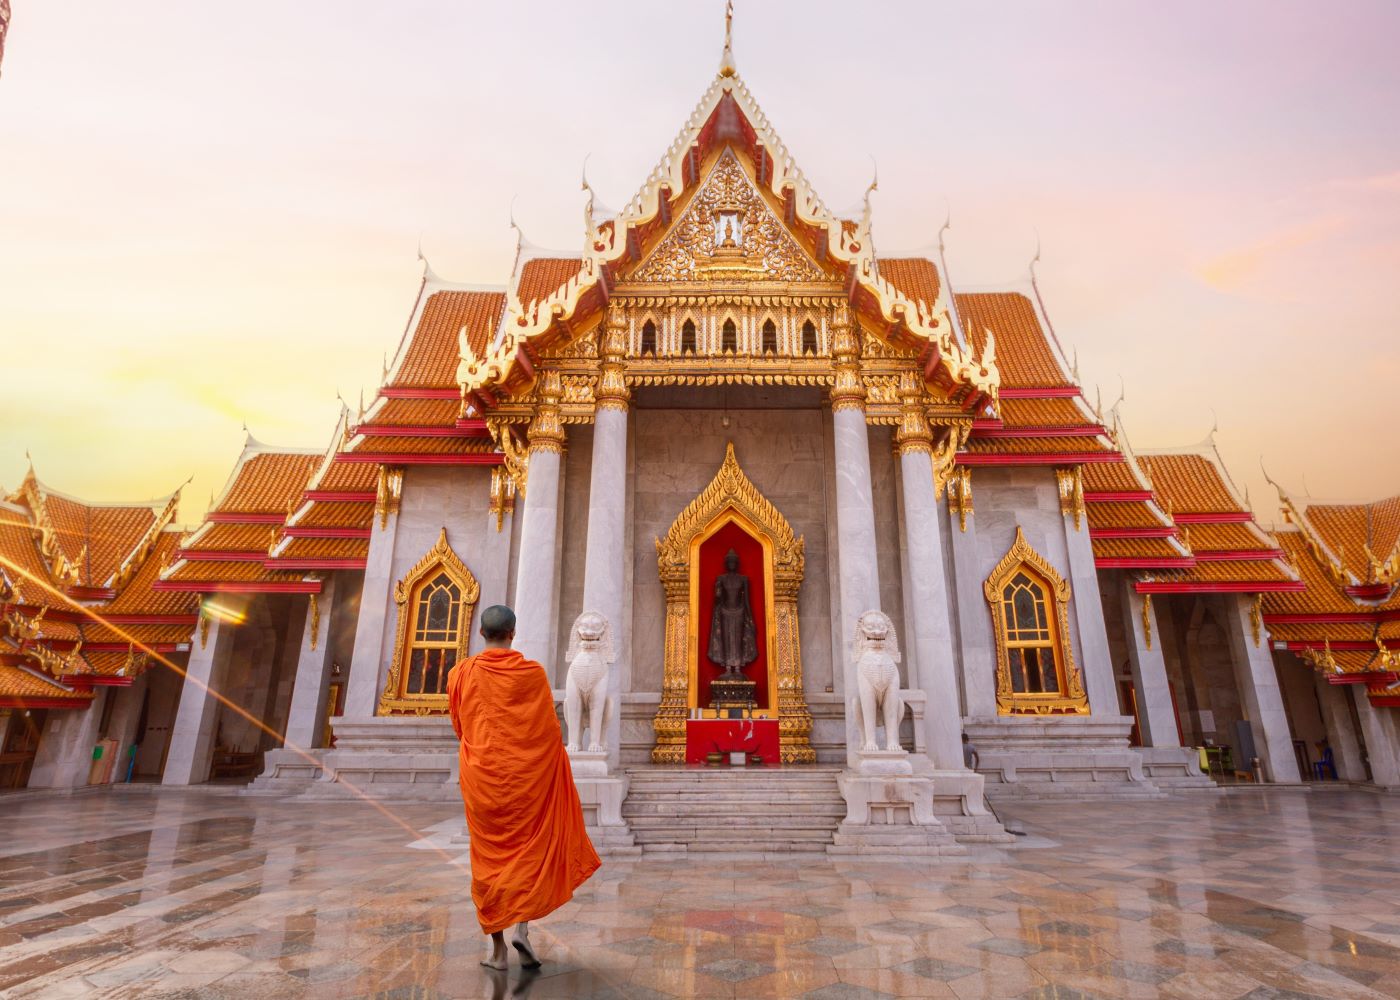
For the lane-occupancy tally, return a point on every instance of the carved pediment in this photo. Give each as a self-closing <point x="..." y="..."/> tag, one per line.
<point x="728" y="233"/>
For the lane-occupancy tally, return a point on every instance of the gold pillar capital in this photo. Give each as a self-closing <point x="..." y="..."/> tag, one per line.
<point x="612" y="391"/>
<point x="848" y="391"/>
<point x="546" y="431"/>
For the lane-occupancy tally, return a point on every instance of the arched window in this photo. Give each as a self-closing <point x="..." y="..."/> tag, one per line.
<point x="729" y="338"/>
<point x="770" y="337"/>
<point x="809" y="338"/>
<point x="688" y="337"/>
<point x="1029" y="602"/>
<point x="648" y="339"/>
<point x="436" y="600"/>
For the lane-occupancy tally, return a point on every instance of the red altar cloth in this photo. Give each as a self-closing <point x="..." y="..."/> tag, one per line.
<point x="704" y="736"/>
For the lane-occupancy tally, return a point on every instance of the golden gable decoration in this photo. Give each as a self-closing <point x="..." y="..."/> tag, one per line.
<point x="729" y="233"/>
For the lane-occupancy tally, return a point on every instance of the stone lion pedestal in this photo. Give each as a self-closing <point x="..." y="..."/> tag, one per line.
<point x="889" y="810"/>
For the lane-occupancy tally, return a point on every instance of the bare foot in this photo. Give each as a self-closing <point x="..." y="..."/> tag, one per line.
<point x="521" y="941"/>
<point x="499" y="959"/>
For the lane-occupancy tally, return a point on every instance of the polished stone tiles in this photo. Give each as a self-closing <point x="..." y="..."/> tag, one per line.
<point x="1269" y="895"/>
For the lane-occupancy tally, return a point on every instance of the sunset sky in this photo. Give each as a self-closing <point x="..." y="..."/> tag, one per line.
<point x="209" y="212"/>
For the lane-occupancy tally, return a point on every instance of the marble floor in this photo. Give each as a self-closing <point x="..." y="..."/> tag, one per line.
<point x="200" y="893"/>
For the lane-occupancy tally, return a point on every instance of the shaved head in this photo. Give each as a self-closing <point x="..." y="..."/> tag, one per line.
<point x="497" y="622"/>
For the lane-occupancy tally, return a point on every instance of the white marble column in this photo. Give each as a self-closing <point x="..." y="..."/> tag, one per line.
<point x="64" y="755"/>
<point x="126" y="713"/>
<point x="605" y="568"/>
<point x="855" y="539"/>
<point x="1341" y="730"/>
<point x="1156" y="717"/>
<point x="534" y="605"/>
<point x="929" y="632"/>
<point x="192" y="738"/>
<point x="975" y="639"/>
<point x="1095" y="658"/>
<point x="306" y="717"/>
<point x="1379" y="728"/>
<point x="1260" y="695"/>
<point x="374" y="630"/>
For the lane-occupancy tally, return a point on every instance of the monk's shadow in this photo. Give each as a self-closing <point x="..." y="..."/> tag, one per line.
<point x="501" y="987"/>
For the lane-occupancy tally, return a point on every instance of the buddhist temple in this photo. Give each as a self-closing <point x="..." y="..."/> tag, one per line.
<point x="722" y="402"/>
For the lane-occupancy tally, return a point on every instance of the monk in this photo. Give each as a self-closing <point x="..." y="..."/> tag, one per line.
<point x="529" y="849"/>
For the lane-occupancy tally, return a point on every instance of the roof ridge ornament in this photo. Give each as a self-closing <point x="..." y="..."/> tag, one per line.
<point x="726" y="60"/>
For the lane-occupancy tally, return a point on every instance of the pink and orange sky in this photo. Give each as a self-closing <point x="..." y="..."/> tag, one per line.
<point x="209" y="212"/>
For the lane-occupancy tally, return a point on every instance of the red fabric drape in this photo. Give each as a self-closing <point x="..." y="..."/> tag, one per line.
<point x="751" y="564"/>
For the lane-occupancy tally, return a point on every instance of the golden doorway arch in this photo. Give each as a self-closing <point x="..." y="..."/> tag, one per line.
<point x="730" y="501"/>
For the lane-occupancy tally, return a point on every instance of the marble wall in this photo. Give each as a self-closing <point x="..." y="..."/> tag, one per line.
<point x="678" y="443"/>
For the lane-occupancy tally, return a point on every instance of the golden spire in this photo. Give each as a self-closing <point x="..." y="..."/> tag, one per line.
<point x="726" y="61"/>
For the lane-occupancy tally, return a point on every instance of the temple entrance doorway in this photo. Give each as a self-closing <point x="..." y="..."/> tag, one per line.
<point x="20" y="746"/>
<point x="731" y="569"/>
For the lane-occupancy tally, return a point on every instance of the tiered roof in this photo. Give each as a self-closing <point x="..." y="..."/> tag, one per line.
<point x="1347" y="622"/>
<point x="76" y="595"/>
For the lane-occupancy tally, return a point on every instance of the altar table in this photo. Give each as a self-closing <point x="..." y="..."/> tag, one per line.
<point x="758" y="736"/>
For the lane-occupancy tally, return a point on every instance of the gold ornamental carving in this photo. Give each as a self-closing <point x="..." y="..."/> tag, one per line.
<point x="960" y="495"/>
<point x="388" y="493"/>
<point x="546" y="430"/>
<point x="913" y="433"/>
<point x="945" y="457"/>
<point x="611" y="391"/>
<point x="1147" y="619"/>
<point x="848" y="390"/>
<point x="731" y="497"/>
<point x="728" y="233"/>
<point x="441" y="557"/>
<point x="313" y="623"/>
<point x="1071" y="487"/>
<point x="1071" y="699"/>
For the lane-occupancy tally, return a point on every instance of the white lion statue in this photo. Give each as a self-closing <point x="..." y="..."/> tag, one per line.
<point x="875" y="651"/>
<point x="590" y="655"/>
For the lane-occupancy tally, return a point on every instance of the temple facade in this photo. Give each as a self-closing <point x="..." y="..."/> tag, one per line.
<point x="731" y="429"/>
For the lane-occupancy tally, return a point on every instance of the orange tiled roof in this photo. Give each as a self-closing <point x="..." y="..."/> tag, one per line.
<point x="427" y="446"/>
<point x="541" y="277"/>
<point x="18" y="547"/>
<point x="1023" y="350"/>
<point x="1191" y="483"/>
<point x="1351" y="530"/>
<point x="915" y="277"/>
<point x="1135" y="548"/>
<point x="20" y="684"/>
<point x="1226" y="571"/>
<point x="1122" y="515"/>
<point x="360" y="477"/>
<point x="269" y="482"/>
<point x="1322" y="595"/>
<point x="417" y="412"/>
<point x="225" y="537"/>
<point x="196" y="571"/>
<point x="138" y="597"/>
<point x="325" y="548"/>
<point x="1035" y="445"/>
<point x="1221" y="537"/>
<point x="1043" y="413"/>
<point x="97" y="536"/>
<point x="338" y="515"/>
<point x="431" y="355"/>
<point x="1108" y="477"/>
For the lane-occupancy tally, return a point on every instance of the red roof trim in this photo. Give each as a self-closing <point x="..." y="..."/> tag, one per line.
<point x="1047" y="458"/>
<point x="455" y="430"/>
<point x="91" y="593"/>
<point x="1144" y="562"/>
<point x="1335" y="618"/>
<point x="1219" y="587"/>
<point x="418" y="392"/>
<point x="315" y="564"/>
<point x="391" y="458"/>
<point x="122" y="647"/>
<point x="340" y="496"/>
<point x="241" y="586"/>
<point x="151" y="619"/>
<point x="1214" y="517"/>
<point x="1340" y="645"/>
<point x="9" y="702"/>
<point x="233" y="517"/>
<point x="1119" y="496"/>
<point x="1039" y="392"/>
<point x="86" y="682"/>
<point x="1365" y="591"/>
<point x="995" y="433"/>
<point x="315" y="532"/>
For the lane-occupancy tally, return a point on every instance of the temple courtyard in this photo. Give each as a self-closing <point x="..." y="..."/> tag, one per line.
<point x="151" y="892"/>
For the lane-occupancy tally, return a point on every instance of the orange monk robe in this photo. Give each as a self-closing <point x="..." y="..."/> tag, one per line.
<point x="529" y="849"/>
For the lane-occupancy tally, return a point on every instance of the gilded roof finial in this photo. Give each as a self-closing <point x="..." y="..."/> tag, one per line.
<point x="726" y="61"/>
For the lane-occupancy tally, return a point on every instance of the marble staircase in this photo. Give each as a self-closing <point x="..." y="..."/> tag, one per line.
<point x="743" y="810"/>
